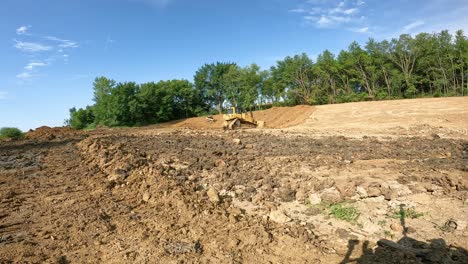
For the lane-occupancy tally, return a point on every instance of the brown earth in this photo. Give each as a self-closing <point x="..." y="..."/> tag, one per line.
<point x="169" y="194"/>
<point x="276" y="117"/>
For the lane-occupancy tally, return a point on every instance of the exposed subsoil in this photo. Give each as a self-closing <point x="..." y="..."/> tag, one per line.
<point x="165" y="195"/>
<point x="276" y="117"/>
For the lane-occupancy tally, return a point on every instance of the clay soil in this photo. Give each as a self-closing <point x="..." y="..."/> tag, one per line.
<point x="373" y="182"/>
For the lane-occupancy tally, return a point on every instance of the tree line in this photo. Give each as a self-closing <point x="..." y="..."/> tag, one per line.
<point x="426" y="65"/>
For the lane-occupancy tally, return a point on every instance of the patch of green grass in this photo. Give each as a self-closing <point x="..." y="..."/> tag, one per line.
<point x="382" y="223"/>
<point x="407" y="213"/>
<point x="344" y="212"/>
<point x="90" y="127"/>
<point x="10" y="132"/>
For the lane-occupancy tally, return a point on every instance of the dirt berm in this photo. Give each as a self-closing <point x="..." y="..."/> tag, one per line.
<point x="276" y="117"/>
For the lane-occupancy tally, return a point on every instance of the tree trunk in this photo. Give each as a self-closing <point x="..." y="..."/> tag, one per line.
<point x="386" y="81"/>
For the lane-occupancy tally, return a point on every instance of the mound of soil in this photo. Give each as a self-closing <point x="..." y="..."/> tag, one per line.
<point x="50" y="133"/>
<point x="276" y="117"/>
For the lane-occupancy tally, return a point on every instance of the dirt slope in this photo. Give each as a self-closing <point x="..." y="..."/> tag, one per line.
<point x="276" y="117"/>
<point x="445" y="116"/>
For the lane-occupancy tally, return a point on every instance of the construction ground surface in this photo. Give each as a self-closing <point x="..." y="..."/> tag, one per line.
<point x="369" y="182"/>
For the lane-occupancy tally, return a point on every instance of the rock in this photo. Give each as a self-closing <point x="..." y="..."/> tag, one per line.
<point x="249" y="146"/>
<point x="279" y="217"/>
<point x="226" y="193"/>
<point x="331" y="195"/>
<point x="220" y="163"/>
<point x="179" y="247"/>
<point x="389" y="194"/>
<point x="287" y="194"/>
<point x="374" y="191"/>
<point x="435" y="136"/>
<point x="146" y="197"/>
<point x="315" y="199"/>
<point x="361" y="192"/>
<point x="346" y="189"/>
<point x="237" y="141"/>
<point x="115" y="178"/>
<point x="400" y="189"/>
<point x="396" y="227"/>
<point x="301" y="195"/>
<point x="213" y="195"/>
<point x="410" y="230"/>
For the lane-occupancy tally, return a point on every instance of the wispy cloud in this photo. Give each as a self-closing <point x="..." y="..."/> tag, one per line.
<point x="3" y="95"/>
<point x="363" y="30"/>
<point x="63" y="43"/>
<point x="31" y="47"/>
<point x="332" y="13"/>
<point x="23" y="30"/>
<point x="33" y="65"/>
<point x="45" y="49"/>
<point x="298" y="10"/>
<point x="25" y="75"/>
<point x="408" y="28"/>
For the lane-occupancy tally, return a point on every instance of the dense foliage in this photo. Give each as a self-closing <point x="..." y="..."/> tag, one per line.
<point x="406" y="67"/>
<point x="10" y="132"/>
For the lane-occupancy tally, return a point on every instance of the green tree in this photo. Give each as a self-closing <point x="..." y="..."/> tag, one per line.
<point x="404" y="52"/>
<point x="327" y="73"/>
<point x="81" y="118"/>
<point x="295" y="76"/>
<point x="102" y="87"/>
<point x="211" y="83"/>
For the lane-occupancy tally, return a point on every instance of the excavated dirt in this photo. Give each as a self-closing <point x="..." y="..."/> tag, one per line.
<point x="276" y="117"/>
<point x="50" y="133"/>
<point x="179" y="195"/>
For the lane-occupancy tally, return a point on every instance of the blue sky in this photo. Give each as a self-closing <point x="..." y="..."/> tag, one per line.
<point x="51" y="50"/>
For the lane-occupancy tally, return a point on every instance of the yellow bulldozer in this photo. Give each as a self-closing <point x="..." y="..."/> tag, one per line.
<point x="236" y="119"/>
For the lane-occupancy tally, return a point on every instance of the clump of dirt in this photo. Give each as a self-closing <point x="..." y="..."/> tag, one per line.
<point x="51" y="133"/>
<point x="276" y="117"/>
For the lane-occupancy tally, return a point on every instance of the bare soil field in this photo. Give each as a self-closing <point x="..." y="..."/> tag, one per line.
<point x="371" y="182"/>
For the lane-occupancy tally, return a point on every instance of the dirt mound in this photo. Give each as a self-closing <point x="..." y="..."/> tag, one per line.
<point x="50" y="133"/>
<point x="276" y="117"/>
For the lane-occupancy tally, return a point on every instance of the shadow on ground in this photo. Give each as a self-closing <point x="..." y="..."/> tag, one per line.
<point x="407" y="250"/>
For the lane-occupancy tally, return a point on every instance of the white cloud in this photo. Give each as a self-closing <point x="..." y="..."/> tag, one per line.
<point x="24" y="75"/>
<point x="33" y="65"/>
<point x="330" y="14"/>
<point x="45" y="49"/>
<point x="363" y="30"/>
<point x="3" y="95"/>
<point x="350" y="11"/>
<point x="31" y="46"/>
<point x="63" y="43"/>
<point x="298" y="10"/>
<point x="23" y="30"/>
<point x="412" y="26"/>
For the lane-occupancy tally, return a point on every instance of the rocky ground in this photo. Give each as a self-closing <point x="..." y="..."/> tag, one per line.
<point x="295" y="195"/>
